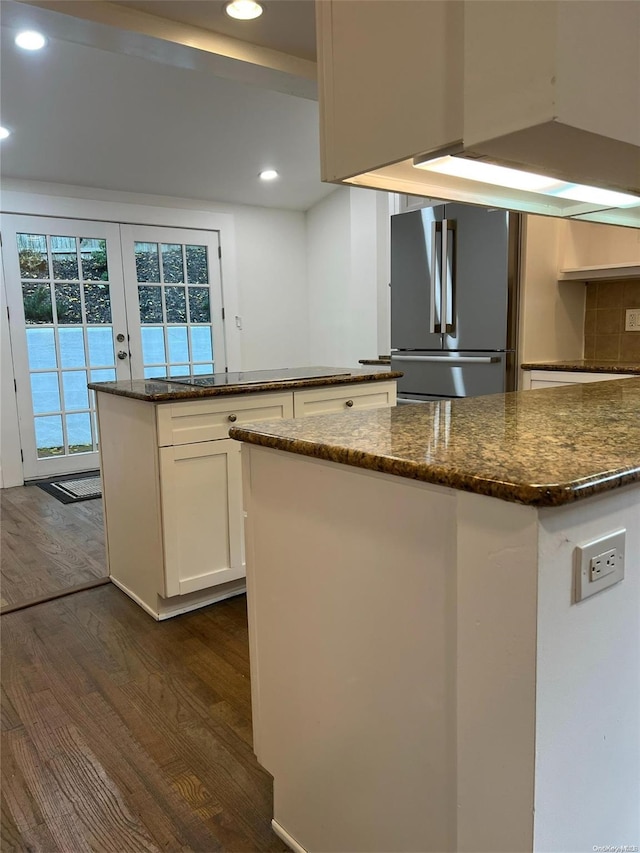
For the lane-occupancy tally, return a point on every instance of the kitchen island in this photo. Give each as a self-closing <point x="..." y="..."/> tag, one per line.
<point x="424" y="677"/>
<point x="171" y="477"/>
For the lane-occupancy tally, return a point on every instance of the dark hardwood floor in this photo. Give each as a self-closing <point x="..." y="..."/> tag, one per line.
<point x="47" y="547"/>
<point x="121" y="734"/>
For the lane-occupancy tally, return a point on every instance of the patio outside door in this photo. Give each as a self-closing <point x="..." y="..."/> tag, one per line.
<point x="95" y="301"/>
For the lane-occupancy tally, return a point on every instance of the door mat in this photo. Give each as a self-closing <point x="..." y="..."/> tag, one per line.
<point x="71" y="491"/>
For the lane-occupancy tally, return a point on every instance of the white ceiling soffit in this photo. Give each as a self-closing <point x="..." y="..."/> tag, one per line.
<point x="288" y="26"/>
<point x="124" y="28"/>
<point x="96" y="118"/>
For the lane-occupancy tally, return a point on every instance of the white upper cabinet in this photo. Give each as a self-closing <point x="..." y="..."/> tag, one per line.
<point x="390" y="75"/>
<point x="550" y="87"/>
<point x="555" y="87"/>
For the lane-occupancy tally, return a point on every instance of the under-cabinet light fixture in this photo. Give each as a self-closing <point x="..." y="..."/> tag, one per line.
<point x="4" y="132"/>
<point x="517" y="179"/>
<point x="30" y="40"/>
<point x="268" y="175"/>
<point x="243" y="10"/>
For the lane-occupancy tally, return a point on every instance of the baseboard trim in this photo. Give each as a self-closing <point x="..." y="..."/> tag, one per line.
<point x="283" y="835"/>
<point x="135" y="598"/>
<point x="167" y="608"/>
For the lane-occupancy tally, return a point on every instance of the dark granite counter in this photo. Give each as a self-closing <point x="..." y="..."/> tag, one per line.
<point x="585" y="365"/>
<point x="248" y="382"/>
<point x="543" y="448"/>
<point x="382" y="359"/>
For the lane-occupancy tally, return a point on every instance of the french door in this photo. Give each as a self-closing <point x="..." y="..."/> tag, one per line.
<point x="96" y="302"/>
<point x="174" y="301"/>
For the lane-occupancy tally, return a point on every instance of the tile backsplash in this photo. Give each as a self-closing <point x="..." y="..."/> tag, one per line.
<point x="604" y="334"/>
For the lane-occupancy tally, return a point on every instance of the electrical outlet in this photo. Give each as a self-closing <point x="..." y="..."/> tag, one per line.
<point x="599" y="564"/>
<point x="603" y="564"/>
<point x="632" y="320"/>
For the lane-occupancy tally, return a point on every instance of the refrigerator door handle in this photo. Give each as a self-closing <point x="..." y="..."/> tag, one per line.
<point x="444" y="278"/>
<point x="432" y="283"/>
<point x="448" y="274"/>
<point x="448" y="359"/>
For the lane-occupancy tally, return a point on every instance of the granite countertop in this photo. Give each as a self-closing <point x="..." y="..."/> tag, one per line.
<point x="543" y="448"/>
<point x="381" y="359"/>
<point x="249" y="382"/>
<point x="586" y="365"/>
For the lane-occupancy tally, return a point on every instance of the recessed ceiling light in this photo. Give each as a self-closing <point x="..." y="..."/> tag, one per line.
<point x="30" y="40"/>
<point x="268" y="175"/>
<point x="4" y="133"/>
<point x="244" y="10"/>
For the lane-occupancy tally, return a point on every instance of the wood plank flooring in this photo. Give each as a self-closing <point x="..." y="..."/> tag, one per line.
<point x="122" y="734"/>
<point x="47" y="547"/>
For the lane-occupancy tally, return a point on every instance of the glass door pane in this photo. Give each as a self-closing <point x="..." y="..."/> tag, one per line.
<point x="174" y="301"/>
<point x="66" y="295"/>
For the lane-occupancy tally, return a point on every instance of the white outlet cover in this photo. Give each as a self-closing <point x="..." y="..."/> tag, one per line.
<point x="632" y="320"/>
<point x="584" y="587"/>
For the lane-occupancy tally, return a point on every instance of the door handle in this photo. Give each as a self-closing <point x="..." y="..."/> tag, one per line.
<point x="432" y="273"/>
<point x="444" y="266"/>
<point x="448" y="274"/>
<point x="465" y="359"/>
<point x="122" y="355"/>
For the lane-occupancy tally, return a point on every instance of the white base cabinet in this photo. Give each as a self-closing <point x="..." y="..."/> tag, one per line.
<point x="201" y="504"/>
<point x="419" y="677"/>
<point x="532" y="379"/>
<point x="172" y="487"/>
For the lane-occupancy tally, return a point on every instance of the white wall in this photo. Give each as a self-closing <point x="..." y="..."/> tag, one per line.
<point x="551" y="312"/>
<point x="10" y="461"/>
<point x="347" y="271"/>
<point x="328" y="275"/>
<point x="272" y="280"/>
<point x="588" y="685"/>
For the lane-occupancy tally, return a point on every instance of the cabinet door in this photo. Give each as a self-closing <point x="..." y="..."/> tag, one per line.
<point x="344" y="398"/>
<point x="201" y="501"/>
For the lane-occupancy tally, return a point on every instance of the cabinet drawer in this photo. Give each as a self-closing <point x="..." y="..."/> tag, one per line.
<point x="343" y="398"/>
<point x="191" y="421"/>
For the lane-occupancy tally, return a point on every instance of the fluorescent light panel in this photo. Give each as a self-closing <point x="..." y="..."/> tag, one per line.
<point x="516" y="179"/>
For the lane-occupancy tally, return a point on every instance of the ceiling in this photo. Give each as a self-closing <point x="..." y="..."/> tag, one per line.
<point x="91" y="115"/>
<point x="286" y="25"/>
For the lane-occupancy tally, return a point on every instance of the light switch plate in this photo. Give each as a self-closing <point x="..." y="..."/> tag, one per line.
<point x="632" y="320"/>
<point x="599" y="564"/>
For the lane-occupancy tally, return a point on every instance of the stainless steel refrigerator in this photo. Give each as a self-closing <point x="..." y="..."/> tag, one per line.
<point x="453" y="301"/>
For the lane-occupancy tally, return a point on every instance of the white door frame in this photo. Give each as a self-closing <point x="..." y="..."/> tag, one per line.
<point x="69" y="207"/>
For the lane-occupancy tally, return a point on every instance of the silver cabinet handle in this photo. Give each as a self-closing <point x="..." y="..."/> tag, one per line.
<point x="232" y="418"/>
<point x="349" y="403"/>
<point x="465" y="359"/>
<point x="122" y="355"/>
